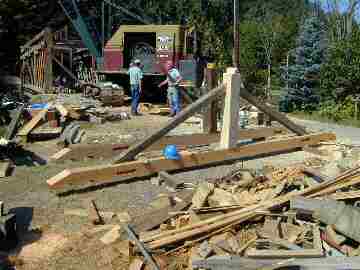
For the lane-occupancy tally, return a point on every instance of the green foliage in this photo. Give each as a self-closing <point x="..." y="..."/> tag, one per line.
<point x="340" y="75"/>
<point x="303" y="74"/>
<point x="338" y="111"/>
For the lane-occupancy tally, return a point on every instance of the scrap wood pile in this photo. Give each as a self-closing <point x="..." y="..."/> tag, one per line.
<point x="274" y="214"/>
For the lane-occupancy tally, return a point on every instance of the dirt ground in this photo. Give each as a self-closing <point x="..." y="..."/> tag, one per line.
<point x="52" y="240"/>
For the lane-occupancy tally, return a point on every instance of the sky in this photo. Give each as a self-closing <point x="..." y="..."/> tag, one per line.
<point x="344" y="4"/>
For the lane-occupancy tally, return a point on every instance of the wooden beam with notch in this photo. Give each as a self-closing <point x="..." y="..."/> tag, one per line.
<point x="107" y="151"/>
<point x="125" y="171"/>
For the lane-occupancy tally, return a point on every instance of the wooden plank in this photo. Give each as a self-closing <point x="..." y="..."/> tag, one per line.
<point x="125" y="171"/>
<point x="105" y="151"/>
<point x="155" y="218"/>
<point x="274" y="114"/>
<point x="62" y="110"/>
<point x="177" y="120"/>
<point x="319" y="177"/>
<point x="4" y="168"/>
<point x="230" y="125"/>
<point x="33" y="122"/>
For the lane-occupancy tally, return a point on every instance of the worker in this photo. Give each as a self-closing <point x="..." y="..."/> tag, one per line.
<point x="136" y="77"/>
<point x="173" y="91"/>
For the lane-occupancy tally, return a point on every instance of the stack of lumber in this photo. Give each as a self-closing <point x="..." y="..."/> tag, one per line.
<point x="264" y="215"/>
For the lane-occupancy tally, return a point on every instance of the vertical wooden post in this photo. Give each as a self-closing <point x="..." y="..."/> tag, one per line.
<point x="210" y="112"/>
<point x="49" y="63"/>
<point x="230" y="127"/>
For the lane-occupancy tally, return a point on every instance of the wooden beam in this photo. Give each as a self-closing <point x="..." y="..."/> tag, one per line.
<point x="177" y="120"/>
<point x="210" y="112"/>
<point x="230" y="125"/>
<point x="62" y="110"/>
<point x="107" y="151"/>
<point x="32" y="41"/>
<point x="33" y="122"/>
<point x="282" y="119"/>
<point x="34" y="88"/>
<point x="125" y="171"/>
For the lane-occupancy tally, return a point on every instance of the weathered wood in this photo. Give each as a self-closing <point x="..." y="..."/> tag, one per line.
<point x="94" y="214"/>
<point x="105" y="151"/>
<point x="62" y="110"/>
<point x="42" y="133"/>
<point x="33" y="122"/>
<point x="33" y="40"/>
<point x="274" y="114"/>
<point x="133" y="237"/>
<point x="235" y="217"/>
<point x="319" y="177"/>
<point x="170" y="180"/>
<point x="155" y="218"/>
<point x="177" y="120"/>
<point x="316" y="251"/>
<point x="210" y="112"/>
<point x="11" y="130"/>
<point x="4" y="168"/>
<point x="34" y="88"/>
<point x="230" y="125"/>
<point x="125" y="171"/>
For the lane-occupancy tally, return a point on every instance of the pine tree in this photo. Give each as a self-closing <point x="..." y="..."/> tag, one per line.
<point x="302" y="76"/>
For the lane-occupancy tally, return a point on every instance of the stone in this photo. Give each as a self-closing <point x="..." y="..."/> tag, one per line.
<point x="201" y="195"/>
<point x="221" y="198"/>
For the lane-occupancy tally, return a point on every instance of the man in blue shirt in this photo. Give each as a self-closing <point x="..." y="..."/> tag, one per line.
<point x="173" y="92"/>
<point x="136" y="76"/>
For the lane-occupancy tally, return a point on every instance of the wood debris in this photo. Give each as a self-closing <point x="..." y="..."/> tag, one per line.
<point x="255" y="219"/>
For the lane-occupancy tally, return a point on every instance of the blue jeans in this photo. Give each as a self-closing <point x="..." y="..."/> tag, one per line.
<point x="174" y="100"/>
<point x="135" y="95"/>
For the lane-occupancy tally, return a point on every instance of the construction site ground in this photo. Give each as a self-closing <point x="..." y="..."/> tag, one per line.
<point x="53" y="240"/>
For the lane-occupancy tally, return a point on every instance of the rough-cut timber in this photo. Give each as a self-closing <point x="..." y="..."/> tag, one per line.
<point x="177" y="120"/>
<point x="107" y="151"/>
<point x="272" y="113"/>
<point x="125" y="171"/>
<point x="33" y="123"/>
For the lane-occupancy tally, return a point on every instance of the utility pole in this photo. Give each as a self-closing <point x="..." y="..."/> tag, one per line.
<point x="236" y="57"/>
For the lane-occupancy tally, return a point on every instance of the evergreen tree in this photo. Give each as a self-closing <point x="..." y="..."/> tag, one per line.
<point x="302" y="76"/>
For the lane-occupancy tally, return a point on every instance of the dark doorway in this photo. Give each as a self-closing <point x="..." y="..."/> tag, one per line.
<point x="140" y="46"/>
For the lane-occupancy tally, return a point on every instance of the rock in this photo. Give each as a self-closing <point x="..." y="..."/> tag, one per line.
<point x="332" y="169"/>
<point x="246" y="176"/>
<point x="205" y="250"/>
<point x="202" y="193"/>
<point x="112" y="236"/>
<point x="221" y="198"/>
